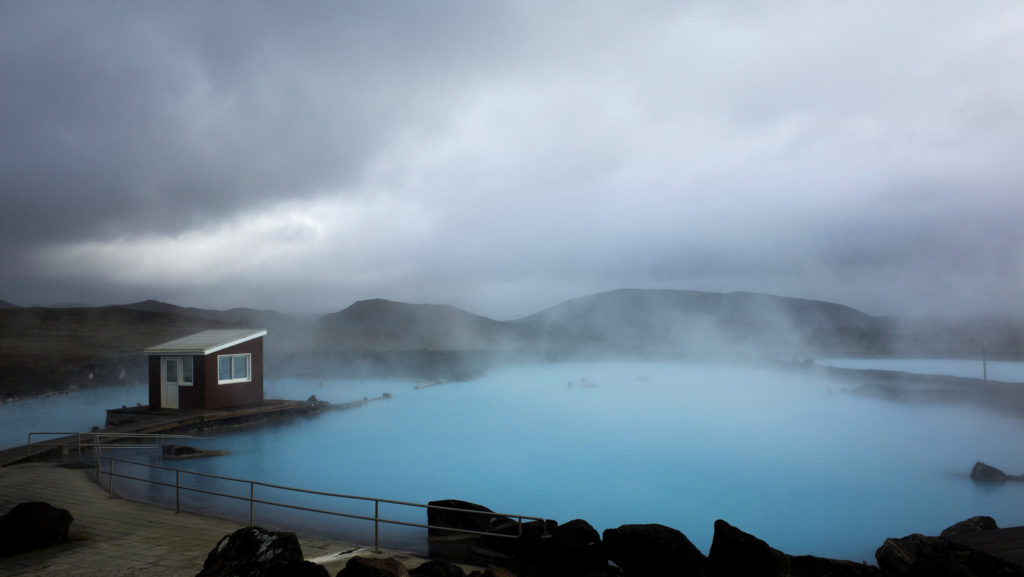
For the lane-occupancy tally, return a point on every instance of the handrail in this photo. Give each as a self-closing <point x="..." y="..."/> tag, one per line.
<point x="376" y="518"/>
<point x="97" y="435"/>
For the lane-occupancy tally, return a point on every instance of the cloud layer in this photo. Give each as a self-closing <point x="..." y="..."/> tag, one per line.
<point x="503" y="157"/>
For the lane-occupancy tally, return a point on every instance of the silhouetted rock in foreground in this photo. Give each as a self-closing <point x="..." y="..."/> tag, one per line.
<point x="437" y="568"/>
<point x="470" y="516"/>
<point x="809" y="566"/>
<point x="972" y="525"/>
<point x="373" y="567"/>
<point x="547" y="549"/>
<point x="734" y="552"/>
<point x="257" y="552"/>
<point x="917" y="554"/>
<point x="985" y="472"/>
<point x="188" y="452"/>
<point x="641" y="550"/>
<point x="33" y="525"/>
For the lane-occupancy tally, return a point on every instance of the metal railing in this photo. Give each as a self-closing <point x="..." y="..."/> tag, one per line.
<point x="253" y="501"/>
<point x="97" y="440"/>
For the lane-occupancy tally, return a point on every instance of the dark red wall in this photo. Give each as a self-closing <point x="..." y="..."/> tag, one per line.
<point x="235" y="394"/>
<point x="154" y="381"/>
<point x="205" y="393"/>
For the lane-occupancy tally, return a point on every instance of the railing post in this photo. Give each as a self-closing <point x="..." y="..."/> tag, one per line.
<point x="376" y="525"/>
<point x="252" y="491"/>
<point x="177" y="491"/>
<point x="28" y="444"/>
<point x="110" y="477"/>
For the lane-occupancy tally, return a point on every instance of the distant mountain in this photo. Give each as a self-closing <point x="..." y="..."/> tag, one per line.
<point x="380" y="323"/>
<point x="240" y="317"/>
<point x="42" y="347"/>
<point x="702" y="323"/>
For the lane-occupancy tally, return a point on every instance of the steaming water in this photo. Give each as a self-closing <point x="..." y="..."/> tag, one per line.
<point x="1008" y="371"/>
<point x="76" y="411"/>
<point x="783" y="455"/>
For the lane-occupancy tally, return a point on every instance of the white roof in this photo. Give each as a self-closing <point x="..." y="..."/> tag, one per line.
<point x="206" y="342"/>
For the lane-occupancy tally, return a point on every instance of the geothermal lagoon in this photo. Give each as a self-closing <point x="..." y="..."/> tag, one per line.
<point x="787" y="455"/>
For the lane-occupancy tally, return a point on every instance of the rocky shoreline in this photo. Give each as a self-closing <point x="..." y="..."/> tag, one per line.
<point x="576" y="548"/>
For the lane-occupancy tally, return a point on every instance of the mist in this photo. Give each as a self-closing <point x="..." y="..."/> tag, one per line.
<point x="505" y="158"/>
<point x="810" y="464"/>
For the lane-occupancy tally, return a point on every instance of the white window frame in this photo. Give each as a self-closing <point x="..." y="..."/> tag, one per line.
<point x="231" y="363"/>
<point x="180" y="362"/>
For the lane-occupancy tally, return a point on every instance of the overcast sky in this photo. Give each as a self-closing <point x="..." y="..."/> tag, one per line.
<point x="505" y="156"/>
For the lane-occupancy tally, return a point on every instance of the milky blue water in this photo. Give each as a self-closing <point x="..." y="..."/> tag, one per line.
<point x="1009" y="371"/>
<point x="783" y="455"/>
<point x="75" y="411"/>
<point x="780" y="454"/>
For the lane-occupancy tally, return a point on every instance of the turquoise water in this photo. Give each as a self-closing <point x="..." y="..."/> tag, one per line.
<point x="783" y="455"/>
<point x="75" y="411"/>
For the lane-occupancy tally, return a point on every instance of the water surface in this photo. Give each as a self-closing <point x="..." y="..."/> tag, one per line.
<point x="783" y="455"/>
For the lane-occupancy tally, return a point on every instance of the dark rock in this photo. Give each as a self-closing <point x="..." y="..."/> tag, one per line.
<point x="301" y="569"/>
<point x="734" y="552"/>
<point x="373" y="567"/>
<point x="437" y="568"/>
<point x="576" y="549"/>
<point x="918" y="555"/>
<point x="254" y="552"/>
<point x="470" y="516"/>
<point x="187" y="452"/>
<point x="984" y="472"/>
<point x="642" y="550"/>
<point x="809" y="566"/>
<point x="570" y="549"/>
<point x="972" y="525"/>
<point x="493" y="572"/>
<point x="33" y="525"/>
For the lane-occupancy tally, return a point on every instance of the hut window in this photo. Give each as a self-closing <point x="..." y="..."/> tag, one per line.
<point x="233" y="368"/>
<point x="178" y="370"/>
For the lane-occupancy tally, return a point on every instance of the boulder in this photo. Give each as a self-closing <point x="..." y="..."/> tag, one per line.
<point x="438" y="568"/>
<point x="373" y="567"/>
<point x="734" y="552"/>
<point x="471" y="516"/>
<point x="984" y="472"/>
<point x="188" y="452"/>
<point x="810" y="566"/>
<point x="493" y="572"/>
<point x="917" y="554"/>
<point x="570" y="549"/>
<point x="33" y="525"/>
<point x="972" y="525"/>
<point x="576" y="549"/>
<point x="302" y="569"/>
<point x="257" y="552"/>
<point x="642" y="550"/>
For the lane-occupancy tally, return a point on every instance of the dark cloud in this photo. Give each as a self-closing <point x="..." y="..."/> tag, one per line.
<point x="505" y="156"/>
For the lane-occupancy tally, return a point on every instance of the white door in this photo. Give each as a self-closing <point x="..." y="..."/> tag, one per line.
<point x="170" y="379"/>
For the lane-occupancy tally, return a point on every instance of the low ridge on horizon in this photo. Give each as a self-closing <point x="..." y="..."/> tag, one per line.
<point x="156" y="305"/>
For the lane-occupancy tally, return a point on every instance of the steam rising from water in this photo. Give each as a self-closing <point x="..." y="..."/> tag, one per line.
<point x="787" y="456"/>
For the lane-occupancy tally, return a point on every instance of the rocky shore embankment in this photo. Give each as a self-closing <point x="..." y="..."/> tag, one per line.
<point x="576" y="549"/>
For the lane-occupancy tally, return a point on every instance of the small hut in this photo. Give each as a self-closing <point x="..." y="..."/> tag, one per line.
<point x="212" y="369"/>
